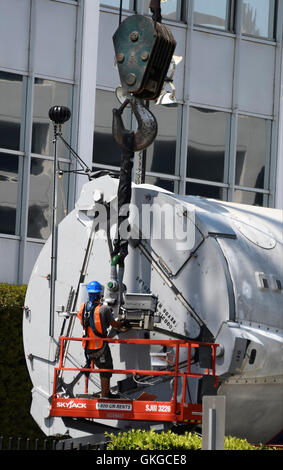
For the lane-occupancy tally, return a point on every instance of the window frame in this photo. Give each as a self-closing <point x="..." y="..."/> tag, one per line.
<point x="267" y="159"/>
<point x="70" y="106"/>
<point x="67" y="163"/>
<point x="132" y="6"/>
<point x="180" y="11"/>
<point x="230" y="19"/>
<point x="226" y="148"/>
<point x="272" y="24"/>
<point x="20" y="153"/>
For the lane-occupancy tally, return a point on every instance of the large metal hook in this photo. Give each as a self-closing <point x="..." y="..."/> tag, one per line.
<point x="147" y="126"/>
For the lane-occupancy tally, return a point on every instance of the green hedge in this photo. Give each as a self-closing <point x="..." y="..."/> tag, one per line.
<point x="15" y="383"/>
<point x="150" y="440"/>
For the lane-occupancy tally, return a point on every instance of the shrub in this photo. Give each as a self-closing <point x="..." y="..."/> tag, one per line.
<point x="15" y="388"/>
<point x="151" y="440"/>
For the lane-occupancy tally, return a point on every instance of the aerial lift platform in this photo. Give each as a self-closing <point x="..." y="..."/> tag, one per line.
<point x="144" y="408"/>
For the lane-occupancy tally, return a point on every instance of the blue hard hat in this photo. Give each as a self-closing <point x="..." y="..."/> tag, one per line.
<point x="94" y="287"/>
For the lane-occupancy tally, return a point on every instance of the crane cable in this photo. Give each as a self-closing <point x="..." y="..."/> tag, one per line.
<point x="120" y="12"/>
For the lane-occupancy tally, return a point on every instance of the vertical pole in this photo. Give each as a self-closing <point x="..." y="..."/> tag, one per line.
<point x="213" y="422"/>
<point x="176" y="379"/>
<point x="211" y="429"/>
<point x="61" y="352"/>
<point x="86" y="384"/>
<point x="55" y="382"/>
<point x="54" y="238"/>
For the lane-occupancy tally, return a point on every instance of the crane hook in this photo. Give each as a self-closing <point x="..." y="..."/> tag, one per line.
<point x="147" y="125"/>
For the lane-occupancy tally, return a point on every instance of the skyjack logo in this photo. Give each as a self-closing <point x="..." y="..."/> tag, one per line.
<point x="70" y="404"/>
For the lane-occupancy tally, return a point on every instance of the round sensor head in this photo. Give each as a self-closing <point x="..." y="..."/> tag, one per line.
<point x="59" y="114"/>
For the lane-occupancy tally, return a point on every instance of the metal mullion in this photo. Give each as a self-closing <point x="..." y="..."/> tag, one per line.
<point x="11" y="152"/>
<point x="179" y="10"/>
<point x="235" y="102"/>
<point x="232" y="16"/>
<point x="207" y="182"/>
<point x="184" y="149"/>
<point x="106" y="167"/>
<point x="164" y="176"/>
<point x="275" y="137"/>
<point x="178" y="147"/>
<point x="51" y="78"/>
<point x="232" y="156"/>
<point x="227" y="151"/>
<point x="7" y="235"/>
<point x="228" y="15"/>
<point x="26" y="180"/>
<point x="69" y="2"/>
<point x="268" y="148"/>
<point x="252" y="190"/>
<point x="19" y="194"/>
<point x="27" y="148"/>
<point x="49" y="157"/>
<point x="271" y="20"/>
<point x="194" y="104"/>
<point x="184" y="136"/>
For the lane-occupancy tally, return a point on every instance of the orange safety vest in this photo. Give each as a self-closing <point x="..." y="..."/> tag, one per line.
<point x="95" y="342"/>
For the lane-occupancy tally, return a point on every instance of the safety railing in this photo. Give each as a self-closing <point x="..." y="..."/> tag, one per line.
<point x="172" y="410"/>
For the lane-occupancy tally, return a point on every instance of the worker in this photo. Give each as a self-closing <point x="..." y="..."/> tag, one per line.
<point x="96" y="319"/>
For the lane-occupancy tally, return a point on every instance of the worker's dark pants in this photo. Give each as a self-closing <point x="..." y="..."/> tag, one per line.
<point x="102" y="359"/>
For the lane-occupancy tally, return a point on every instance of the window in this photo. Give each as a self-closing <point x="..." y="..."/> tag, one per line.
<point x="10" y="110"/>
<point x="105" y="149"/>
<point x="170" y="9"/>
<point x="213" y="14"/>
<point x="207" y="144"/>
<point x="248" y="197"/>
<point x="161" y="155"/>
<point x="40" y="197"/>
<point x="127" y="4"/>
<point x="204" y="190"/>
<point x="49" y="93"/>
<point x="8" y="192"/>
<point x="259" y="18"/>
<point x="162" y="183"/>
<point x="253" y="148"/>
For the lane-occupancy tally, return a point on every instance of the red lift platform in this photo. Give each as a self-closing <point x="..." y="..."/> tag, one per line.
<point x="145" y="408"/>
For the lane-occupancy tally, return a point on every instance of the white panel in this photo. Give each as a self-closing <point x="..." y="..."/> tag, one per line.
<point x="31" y="254"/>
<point x="54" y="39"/>
<point x="14" y="34"/>
<point x="212" y="69"/>
<point x="257" y="62"/>
<point x="9" y="249"/>
<point x="107" y="73"/>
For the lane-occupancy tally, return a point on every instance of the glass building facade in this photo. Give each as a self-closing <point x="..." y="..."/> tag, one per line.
<point x="201" y="148"/>
<point x="219" y="140"/>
